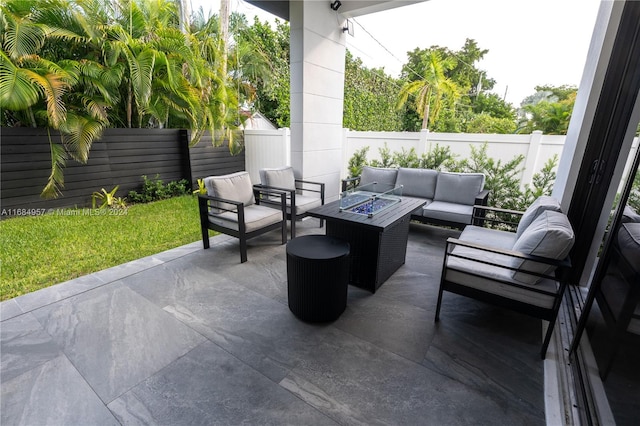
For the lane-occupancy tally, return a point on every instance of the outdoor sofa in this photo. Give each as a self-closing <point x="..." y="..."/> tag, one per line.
<point x="449" y="197"/>
<point x="525" y="271"/>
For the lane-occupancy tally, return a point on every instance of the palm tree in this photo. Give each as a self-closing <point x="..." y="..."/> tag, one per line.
<point x="79" y="66"/>
<point x="37" y="90"/>
<point x="432" y="89"/>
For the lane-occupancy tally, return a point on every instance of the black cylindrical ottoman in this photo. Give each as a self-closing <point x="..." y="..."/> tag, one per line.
<point x="317" y="276"/>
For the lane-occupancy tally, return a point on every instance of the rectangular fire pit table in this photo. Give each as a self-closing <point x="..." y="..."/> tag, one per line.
<point x="377" y="235"/>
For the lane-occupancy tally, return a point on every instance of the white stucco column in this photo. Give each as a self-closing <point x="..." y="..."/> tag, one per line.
<point x="317" y="92"/>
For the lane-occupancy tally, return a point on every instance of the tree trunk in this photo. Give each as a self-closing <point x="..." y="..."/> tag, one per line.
<point x="425" y="119"/>
<point x="183" y="6"/>
<point x="32" y="117"/>
<point x="224" y="34"/>
<point x="129" y="108"/>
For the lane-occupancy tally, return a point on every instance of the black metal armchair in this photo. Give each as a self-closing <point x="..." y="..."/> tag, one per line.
<point x="229" y="207"/>
<point x="301" y="195"/>
<point x="526" y="271"/>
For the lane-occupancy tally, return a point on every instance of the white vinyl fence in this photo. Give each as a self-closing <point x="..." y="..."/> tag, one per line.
<point x="271" y="148"/>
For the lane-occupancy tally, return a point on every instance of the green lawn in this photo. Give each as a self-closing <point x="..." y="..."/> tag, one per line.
<point x="39" y="251"/>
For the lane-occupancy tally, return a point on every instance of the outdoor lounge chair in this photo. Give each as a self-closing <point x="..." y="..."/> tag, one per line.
<point x="229" y="207"/>
<point x="525" y="271"/>
<point x="302" y="195"/>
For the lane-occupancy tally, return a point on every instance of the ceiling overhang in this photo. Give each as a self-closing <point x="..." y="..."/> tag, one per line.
<point x="349" y="8"/>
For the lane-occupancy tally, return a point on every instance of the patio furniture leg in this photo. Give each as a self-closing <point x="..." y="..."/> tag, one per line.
<point x="284" y="230"/>
<point x="205" y="237"/>
<point x="437" y="318"/>
<point x="441" y="289"/>
<point x="547" y="338"/>
<point x="202" y="206"/>
<point x="243" y="250"/>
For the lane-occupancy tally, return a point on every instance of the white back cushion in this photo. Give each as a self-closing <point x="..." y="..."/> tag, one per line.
<point x="235" y="187"/>
<point x="540" y="205"/>
<point x="459" y="188"/>
<point x="281" y="177"/>
<point x="417" y="182"/>
<point x="549" y="235"/>
<point x="382" y="176"/>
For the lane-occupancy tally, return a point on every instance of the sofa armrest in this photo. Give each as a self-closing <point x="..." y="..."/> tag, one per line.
<point x="203" y="207"/>
<point x="304" y="186"/>
<point x="482" y="198"/>
<point x="561" y="266"/>
<point x="278" y="193"/>
<point x="495" y="217"/>
<point x="203" y="201"/>
<point x="351" y="182"/>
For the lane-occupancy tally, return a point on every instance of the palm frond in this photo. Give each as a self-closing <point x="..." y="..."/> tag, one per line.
<point x="54" y="87"/>
<point x="56" y="179"/>
<point x="141" y="68"/>
<point x="16" y="89"/>
<point x="22" y="37"/>
<point x="80" y="132"/>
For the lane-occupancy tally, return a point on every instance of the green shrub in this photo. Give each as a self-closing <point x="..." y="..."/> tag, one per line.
<point x="439" y="158"/>
<point x="155" y="190"/>
<point x="386" y="158"/>
<point x="406" y="158"/>
<point x="501" y="179"/>
<point x="542" y="184"/>
<point x="108" y="199"/>
<point x="358" y="161"/>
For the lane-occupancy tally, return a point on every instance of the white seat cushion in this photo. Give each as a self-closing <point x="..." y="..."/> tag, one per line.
<point x="485" y="236"/>
<point x="451" y="212"/>
<point x="482" y="276"/>
<point x="461" y="272"/>
<point x="255" y="217"/>
<point x="304" y="203"/>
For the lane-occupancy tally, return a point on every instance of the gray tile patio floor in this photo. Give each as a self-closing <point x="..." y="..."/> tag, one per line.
<point x="193" y="337"/>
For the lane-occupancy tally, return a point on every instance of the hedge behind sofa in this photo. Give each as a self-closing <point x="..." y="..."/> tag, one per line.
<point x="449" y="197"/>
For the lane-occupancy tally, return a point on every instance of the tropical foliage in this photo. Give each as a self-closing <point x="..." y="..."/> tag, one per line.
<point x="501" y="178"/>
<point x="369" y="98"/>
<point x="271" y="85"/>
<point x="83" y="65"/>
<point x="80" y="66"/>
<point x="470" y="108"/>
<point x="548" y="110"/>
<point x="429" y="87"/>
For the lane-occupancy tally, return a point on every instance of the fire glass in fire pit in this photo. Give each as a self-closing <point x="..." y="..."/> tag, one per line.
<point x="370" y="199"/>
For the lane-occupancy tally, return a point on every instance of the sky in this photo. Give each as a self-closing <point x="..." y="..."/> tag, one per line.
<point x="530" y="43"/>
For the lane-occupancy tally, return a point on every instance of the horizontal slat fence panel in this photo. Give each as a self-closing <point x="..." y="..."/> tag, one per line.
<point x="209" y="160"/>
<point x="121" y="157"/>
